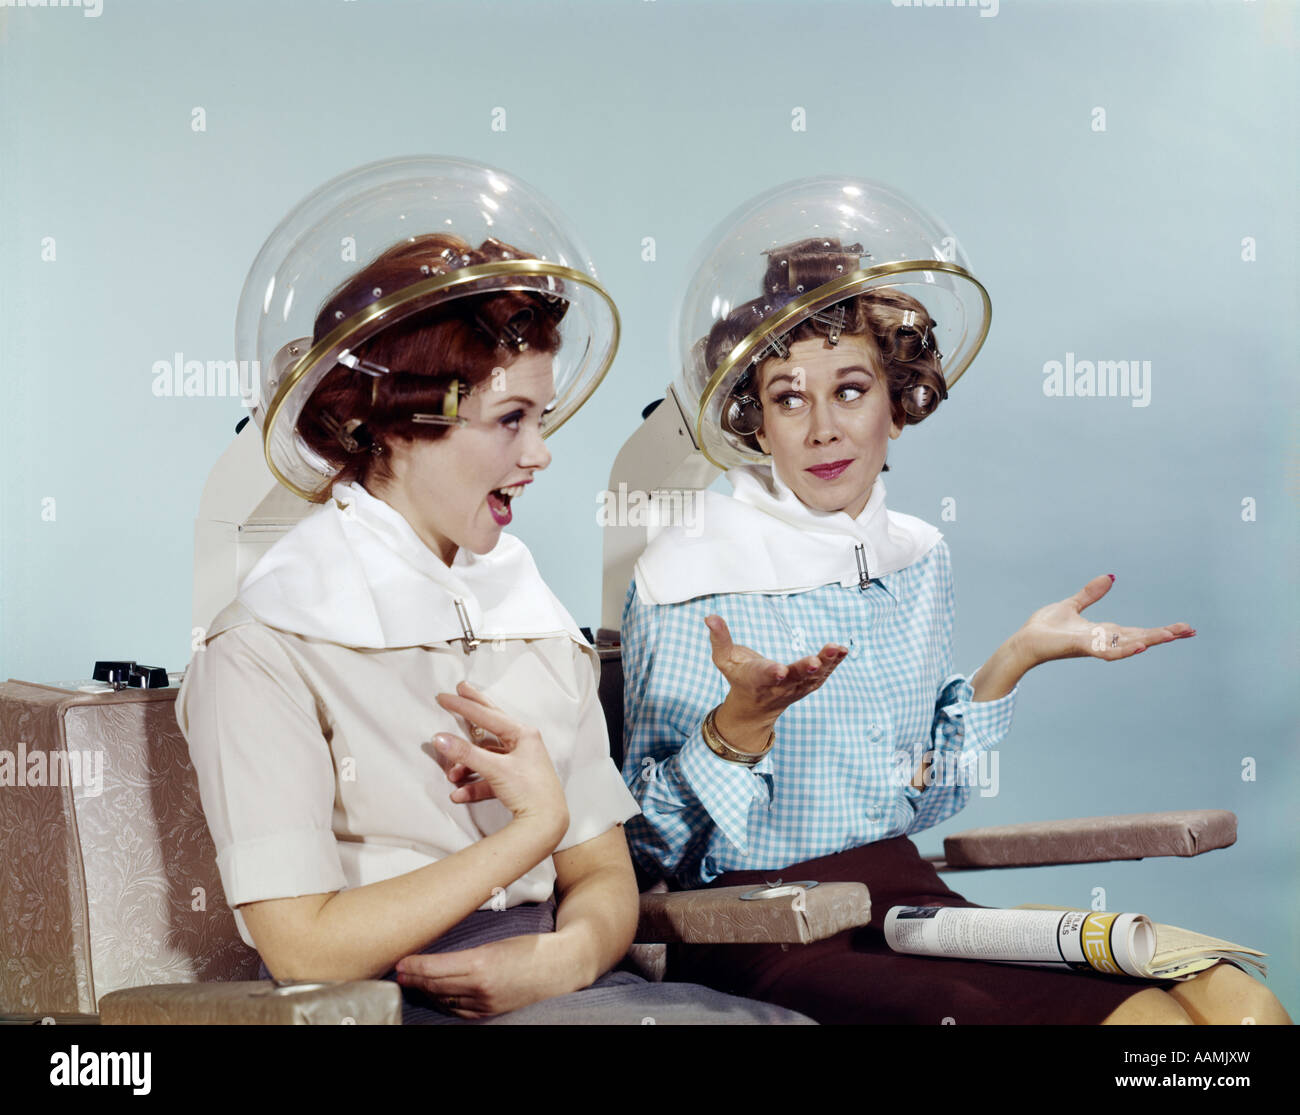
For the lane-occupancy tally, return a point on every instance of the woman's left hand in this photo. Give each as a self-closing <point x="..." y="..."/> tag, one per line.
<point x="1060" y="630"/>
<point x="490" y="979"/>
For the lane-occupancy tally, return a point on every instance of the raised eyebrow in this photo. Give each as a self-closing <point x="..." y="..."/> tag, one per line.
<point x="848" y="369"/>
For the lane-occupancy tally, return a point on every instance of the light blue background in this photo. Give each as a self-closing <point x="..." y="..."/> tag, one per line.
<point x="654" y="118"/>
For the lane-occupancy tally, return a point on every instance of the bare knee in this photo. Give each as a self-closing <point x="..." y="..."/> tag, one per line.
<point x="1148" y="1007"/>
<point x="1226" y="996"/>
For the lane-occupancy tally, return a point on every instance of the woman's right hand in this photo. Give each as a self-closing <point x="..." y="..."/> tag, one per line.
<point x="516" y="768"/>
<point x="762" y="689"/>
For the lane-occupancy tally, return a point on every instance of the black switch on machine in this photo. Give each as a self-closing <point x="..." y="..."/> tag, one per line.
<point x="121" y="674"/>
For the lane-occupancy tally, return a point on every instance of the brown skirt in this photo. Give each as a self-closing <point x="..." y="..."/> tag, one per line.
<point x="854" y="977"/>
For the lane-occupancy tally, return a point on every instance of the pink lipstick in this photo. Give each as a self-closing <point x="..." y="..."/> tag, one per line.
<point x="830" y="470"/>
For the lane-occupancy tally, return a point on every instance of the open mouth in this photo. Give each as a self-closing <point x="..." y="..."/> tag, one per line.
<point x="499" y="503"/>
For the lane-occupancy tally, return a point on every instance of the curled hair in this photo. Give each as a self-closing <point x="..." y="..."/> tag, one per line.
<point x="352" y="417"/>
<point x="895" y="324"/>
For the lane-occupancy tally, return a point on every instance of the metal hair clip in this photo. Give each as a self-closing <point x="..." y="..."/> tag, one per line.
<point x="438" y="420"/>
<point x="450" y="415"/>
<point x="744" y="415"/>
<point x="369" y="367"/>
<point x="909" y="322"/>
<point x="774" y="346"/>
<point x="916" y="400"/>
<point x="513" y="336"/>
<point x="508" y="335"/>
<point x="835" y="318"/>
<point x="342" y="432"/>
<point x="556" y="305"/>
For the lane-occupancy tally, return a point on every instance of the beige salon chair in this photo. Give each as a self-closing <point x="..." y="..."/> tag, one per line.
<point x="112" y="902"/>
<point x="110" y="877"/>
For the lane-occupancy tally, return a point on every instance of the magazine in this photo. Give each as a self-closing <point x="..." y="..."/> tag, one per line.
<point x="1121" y="944"/>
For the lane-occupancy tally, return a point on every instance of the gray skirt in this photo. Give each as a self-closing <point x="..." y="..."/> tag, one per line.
<point x="618" y="998"/>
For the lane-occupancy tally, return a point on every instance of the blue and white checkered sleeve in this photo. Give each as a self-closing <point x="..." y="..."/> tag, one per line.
<point x="964" y="729"/>
<point x="687" y="793"/>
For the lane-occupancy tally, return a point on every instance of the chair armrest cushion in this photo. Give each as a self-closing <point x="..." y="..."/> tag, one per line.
<point x="255" y="1003"/>
<point x="720" y="916"/>
<point x="1093" y="839"/>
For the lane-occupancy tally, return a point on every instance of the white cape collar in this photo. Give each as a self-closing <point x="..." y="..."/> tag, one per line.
<point x="356" y="573"/>
<point x="765" y="539"/>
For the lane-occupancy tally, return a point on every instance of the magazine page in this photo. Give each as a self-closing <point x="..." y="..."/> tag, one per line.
<point x="1112" y="943"/>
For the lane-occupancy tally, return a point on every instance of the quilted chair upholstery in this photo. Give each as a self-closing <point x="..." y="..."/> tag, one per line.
<point x="105" y="886"/>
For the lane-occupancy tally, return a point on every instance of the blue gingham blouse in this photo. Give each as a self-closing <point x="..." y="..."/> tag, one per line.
<point x="839" y="774"/>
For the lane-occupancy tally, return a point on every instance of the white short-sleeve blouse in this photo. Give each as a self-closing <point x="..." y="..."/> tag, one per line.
<point x="316" y="768"/>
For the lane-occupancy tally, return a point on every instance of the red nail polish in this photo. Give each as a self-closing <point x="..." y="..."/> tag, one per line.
<point x="1111" y="576"/>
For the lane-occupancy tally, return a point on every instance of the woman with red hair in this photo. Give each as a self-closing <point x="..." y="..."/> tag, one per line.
<point x="400" y="750"/>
